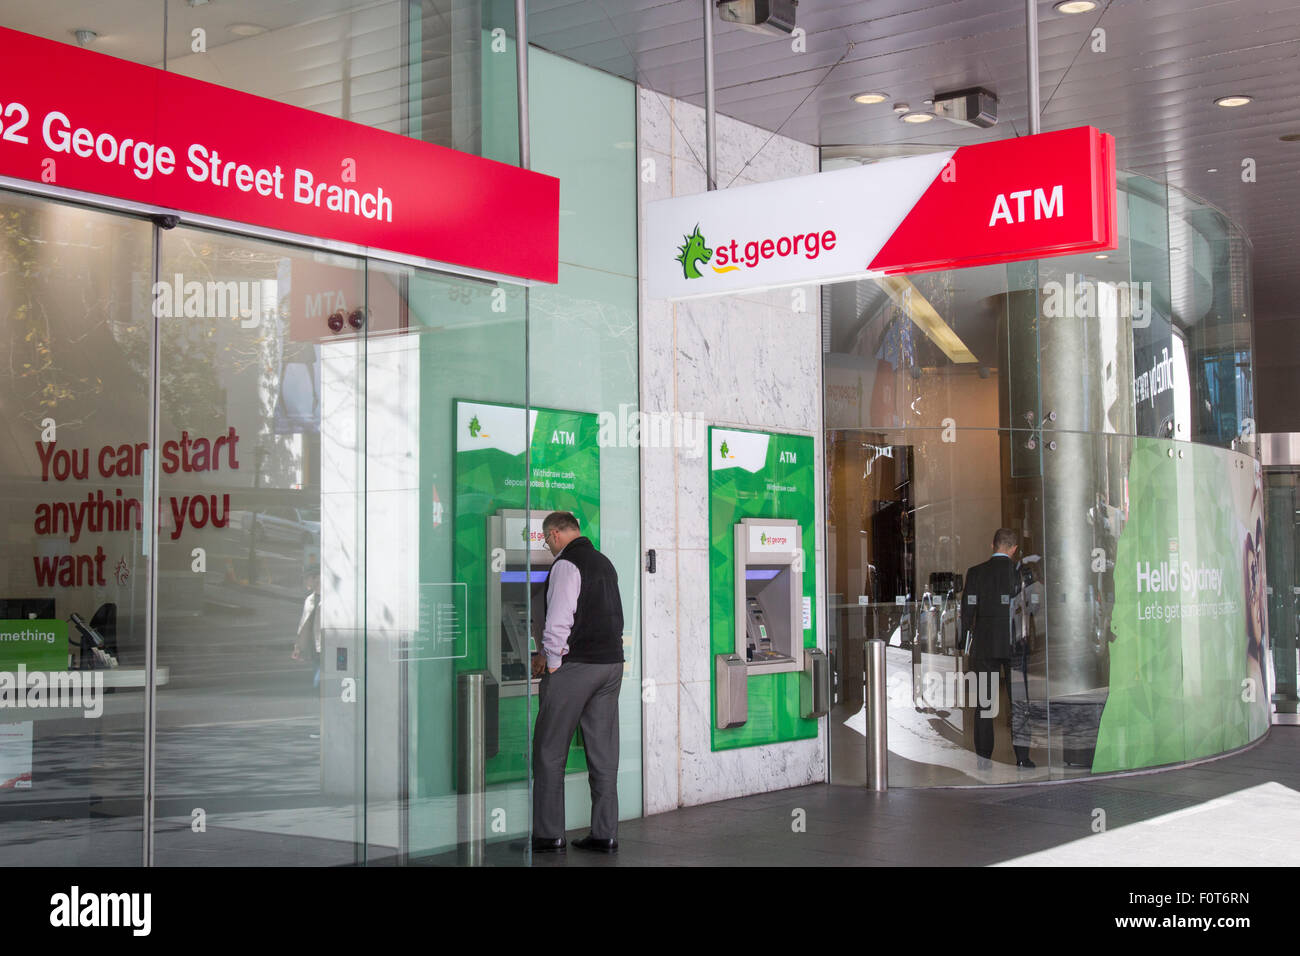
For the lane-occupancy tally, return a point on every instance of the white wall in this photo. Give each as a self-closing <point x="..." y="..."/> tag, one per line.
<point x="746" y="360"/>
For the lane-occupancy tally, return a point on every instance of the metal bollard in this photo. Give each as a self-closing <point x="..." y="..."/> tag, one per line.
<point x="877" y="718"/>
<point x="471" y="768"/>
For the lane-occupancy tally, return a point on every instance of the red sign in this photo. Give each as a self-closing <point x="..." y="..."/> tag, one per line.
<point x="1026" y="198"/>
<point x="91" y="122"/>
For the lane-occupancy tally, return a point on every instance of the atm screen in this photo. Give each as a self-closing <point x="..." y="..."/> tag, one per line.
<point x="767" y="614"/>
<point x="538" y="576"/>
<point x="516" y="645"/>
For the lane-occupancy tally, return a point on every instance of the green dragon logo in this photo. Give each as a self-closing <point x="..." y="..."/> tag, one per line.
<point x="762" y="538"/>
<point x="474" y="427"/>
<point x="724" y="450"/>
<point x="692" y="252"/>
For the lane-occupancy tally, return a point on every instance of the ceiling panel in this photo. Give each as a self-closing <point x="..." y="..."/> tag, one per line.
<point x="1153" y="88"/>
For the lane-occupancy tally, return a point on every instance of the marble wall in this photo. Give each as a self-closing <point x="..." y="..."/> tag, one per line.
<point x="750" y="361"/>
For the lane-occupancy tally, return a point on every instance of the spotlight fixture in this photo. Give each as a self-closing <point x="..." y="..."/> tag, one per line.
<point x="85" y="37"/>
<point x="1101" y="255"/>
<point x="868" y="99"/>
<point x="915" y="118"/>
<point x="1075" y="6"/>
<point x="901" y="107"/>
<point x="1236" y="99"/>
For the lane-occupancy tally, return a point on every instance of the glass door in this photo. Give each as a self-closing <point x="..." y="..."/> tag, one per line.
<point x="261" y="656"/>
<point x="74" y="389"/>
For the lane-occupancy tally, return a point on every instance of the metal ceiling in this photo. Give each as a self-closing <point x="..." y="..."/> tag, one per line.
<point x="1153" y="88"/>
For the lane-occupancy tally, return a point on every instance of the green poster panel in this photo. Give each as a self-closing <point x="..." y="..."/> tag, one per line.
<point x="758" y="475"/>
<point x="38" y="644"/>
<point x="490" y="444"/>
<point x="1189" y="664"/>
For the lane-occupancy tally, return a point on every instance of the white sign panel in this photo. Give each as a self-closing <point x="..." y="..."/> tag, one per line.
<point x="820" y="228"/>
<point x="771" y="538"/>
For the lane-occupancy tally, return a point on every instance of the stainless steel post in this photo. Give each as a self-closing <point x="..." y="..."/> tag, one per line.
<point x="521" y="71"/>
<point x="471" y="766"/>
<point x="877" y="717"/>
<point x="1031" y="63"/>
<point x="710" y="106"/>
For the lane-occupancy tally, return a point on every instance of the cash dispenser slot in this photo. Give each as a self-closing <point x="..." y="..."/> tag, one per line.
<point x="511" y="635"/>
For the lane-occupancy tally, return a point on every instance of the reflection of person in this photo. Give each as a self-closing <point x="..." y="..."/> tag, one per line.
<point x="583" y="644"/>
<point x="307" y="645"/>
<point x="1256" y="630"/>
<point x="986" y="616"/>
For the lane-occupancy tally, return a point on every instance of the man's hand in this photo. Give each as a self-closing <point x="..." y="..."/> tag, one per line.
<point x="539" y="664"/>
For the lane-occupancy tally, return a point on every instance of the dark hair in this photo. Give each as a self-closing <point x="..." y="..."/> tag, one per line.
<point x="560" y="521"/>
<point x="1005" y="538"/>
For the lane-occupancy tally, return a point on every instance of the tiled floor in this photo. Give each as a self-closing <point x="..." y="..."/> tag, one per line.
<point x="1240" y="810"/>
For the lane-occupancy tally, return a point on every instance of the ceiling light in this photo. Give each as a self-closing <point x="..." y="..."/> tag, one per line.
<point x="917" y="117"/>
<point x="868" y="99"/>
<point x="1075" y="6"/>
<point x="84" y="36"/>
<point x="1213" y="169"/>
<point x="245" y="29"/>
<point x="1290" y="138"/>
<point x="1101" y="255"/>
<point x="1234" y="100"/>
<point x="901" y="107"/>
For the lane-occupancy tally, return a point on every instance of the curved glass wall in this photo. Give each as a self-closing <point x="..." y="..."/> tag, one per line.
<point x="1099" y="408"/>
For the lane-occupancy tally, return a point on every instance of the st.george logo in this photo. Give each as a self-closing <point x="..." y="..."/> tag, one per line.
<point x="692" y="253"/>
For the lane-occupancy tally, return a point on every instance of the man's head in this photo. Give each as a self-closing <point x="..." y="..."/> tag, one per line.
<point x="558" y="529"/>
<point x="1005" y="541"/>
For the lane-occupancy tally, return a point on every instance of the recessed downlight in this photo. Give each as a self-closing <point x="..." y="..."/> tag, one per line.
<point x="1075" y="6"/>
<point x="1101" y="255"/>
<point x="1236" y="99"/>
<point x="869" y="99"/>
<point x="917" y="117"/>
<point x="246" y="29"/>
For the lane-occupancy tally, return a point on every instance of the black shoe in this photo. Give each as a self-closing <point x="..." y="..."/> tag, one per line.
<point x="596" y="844"/>
<point x="1026" y="764"/>
<point x="544" y="845"/>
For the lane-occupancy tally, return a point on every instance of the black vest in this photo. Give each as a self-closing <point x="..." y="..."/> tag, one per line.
<point x="597" y="635"/>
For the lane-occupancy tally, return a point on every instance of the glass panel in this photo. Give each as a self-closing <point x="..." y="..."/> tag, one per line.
<point x="584" y="358"/>
<point x="261" y="554"/>
<point x="1283" y="537"/>
<point x="74" y="383"/>
<point x="403" y="66"/>
<point x="447" y="574"/>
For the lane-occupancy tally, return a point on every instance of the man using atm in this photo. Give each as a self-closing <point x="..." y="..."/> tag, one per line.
<point x="583" y="647"/>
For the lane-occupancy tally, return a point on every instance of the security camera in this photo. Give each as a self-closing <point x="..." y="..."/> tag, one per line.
<point x="761" y="16"/>
<point x="335" y="321"/>
<point x="973" y="107"/>
<point x="357" y="319"/>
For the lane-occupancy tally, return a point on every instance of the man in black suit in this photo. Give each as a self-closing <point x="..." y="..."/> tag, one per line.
<point x="990" y="590"/>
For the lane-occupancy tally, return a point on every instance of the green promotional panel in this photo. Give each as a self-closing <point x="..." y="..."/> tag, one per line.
<point x="39" y="645"/>
<point x="1189" y="671"/>
<point x="564" y="458"/>
<point x="759" y="475"/>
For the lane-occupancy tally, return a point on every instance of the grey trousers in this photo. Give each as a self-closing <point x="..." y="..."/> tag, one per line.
<point x="586" y="695"/>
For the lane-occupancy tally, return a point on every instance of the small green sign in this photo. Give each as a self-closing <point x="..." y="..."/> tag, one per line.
<point x="40" y="645"/>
